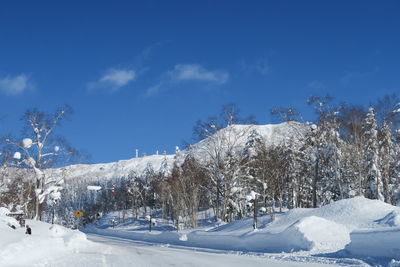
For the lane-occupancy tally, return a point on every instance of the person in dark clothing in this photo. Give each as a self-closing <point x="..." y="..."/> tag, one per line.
<point x="28" y="230"/>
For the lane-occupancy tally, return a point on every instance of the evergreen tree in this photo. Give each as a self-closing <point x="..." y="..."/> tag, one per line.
<point x="374" y="184"/>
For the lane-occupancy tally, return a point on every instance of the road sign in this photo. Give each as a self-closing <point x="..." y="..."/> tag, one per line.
<point x="78" y="213"/>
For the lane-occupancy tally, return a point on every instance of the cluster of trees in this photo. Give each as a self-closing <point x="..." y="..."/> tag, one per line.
<point x="233" y="169"/>
<point x="347" y="152"/>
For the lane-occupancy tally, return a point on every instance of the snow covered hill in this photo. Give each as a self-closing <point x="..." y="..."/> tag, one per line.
<point x="122" y="168"/>
<point x="236" y="135"/>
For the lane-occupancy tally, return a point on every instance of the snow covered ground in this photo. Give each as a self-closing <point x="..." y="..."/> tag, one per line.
<point x="352" y="232"/>
<point x="60" y="247"/>
<point x="347" y="229"/>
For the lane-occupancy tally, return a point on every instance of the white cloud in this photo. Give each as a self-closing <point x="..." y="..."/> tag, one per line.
<point x="196" y="72"/>
<point x="181" y="73"/>
<point x="114" y="79"/>
<point x="14" y="85"/>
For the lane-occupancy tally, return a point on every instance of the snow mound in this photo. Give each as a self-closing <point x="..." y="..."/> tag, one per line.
<point x="47" y="242"/>
<point x="379" y="243"/>
<point x="354" y="213"/>
<point x="316" y="233"/>
<point x="357" y="212"/>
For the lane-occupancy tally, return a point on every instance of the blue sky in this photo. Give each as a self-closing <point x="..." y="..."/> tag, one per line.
<point x="139" y="74"/>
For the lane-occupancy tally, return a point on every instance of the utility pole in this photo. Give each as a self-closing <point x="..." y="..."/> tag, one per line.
<point x="255" y="213"/>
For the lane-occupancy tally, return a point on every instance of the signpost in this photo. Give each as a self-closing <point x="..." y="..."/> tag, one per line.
<point x="78" y="214"/>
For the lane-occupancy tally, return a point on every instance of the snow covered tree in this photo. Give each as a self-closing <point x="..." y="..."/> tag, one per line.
<point x="223" y="160"/>
<point x="386" y="150"/>
<point x="38" y="150"/>
<point x="374" y="184"/>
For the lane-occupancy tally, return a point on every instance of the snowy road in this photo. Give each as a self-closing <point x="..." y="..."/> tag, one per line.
<point x="112" y="251"/>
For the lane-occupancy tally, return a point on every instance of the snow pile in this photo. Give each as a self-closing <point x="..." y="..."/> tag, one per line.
<point x="380" y="243"/>
<point x="316" y="233"/>
<point x="44" y="245"/>
<point x="354" y="213"/>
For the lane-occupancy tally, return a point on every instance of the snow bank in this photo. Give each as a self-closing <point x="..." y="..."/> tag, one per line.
<point x="320" y="234"/>
<point x="354" y="213"/>
<point x="355" y="225"/>
<point x="308" y="233"/>
<point x="384" y="243"/>
<point x="47" y="242"/>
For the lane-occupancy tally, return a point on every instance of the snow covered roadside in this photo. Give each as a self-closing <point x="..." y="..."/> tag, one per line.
<point x="302" y="235"/>
<point x="56" y="246"/>
<point x="46" y="243"/>
<point x="354" y="227"/>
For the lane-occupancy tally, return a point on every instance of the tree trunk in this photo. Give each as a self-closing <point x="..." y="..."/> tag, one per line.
<point x="314" y="186"/>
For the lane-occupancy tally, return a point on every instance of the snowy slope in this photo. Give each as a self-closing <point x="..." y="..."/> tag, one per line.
<point x="273" y="134"/>
<point x="235" y="137"/>
<point x="117" y="169"/>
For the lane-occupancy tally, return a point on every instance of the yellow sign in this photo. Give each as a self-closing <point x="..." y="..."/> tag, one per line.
<point x="78" y="213"/>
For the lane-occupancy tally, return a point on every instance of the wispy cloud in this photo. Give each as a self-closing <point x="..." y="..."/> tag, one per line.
<point x="113" y="79"/>
<point x="196" y="72"/>
<point x="260" y="66"/>
<point x="181" y="73"/>
<point x="14" y="85"/>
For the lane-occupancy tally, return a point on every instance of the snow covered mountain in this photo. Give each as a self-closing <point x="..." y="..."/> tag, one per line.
<point x="121" y="168"/>
<point x="235" y="135"/>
